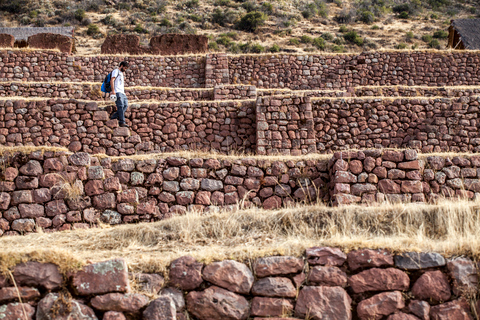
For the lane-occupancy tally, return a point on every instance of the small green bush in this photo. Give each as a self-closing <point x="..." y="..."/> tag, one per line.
<point x="140" y="29"/>
<point x="435" y="44"/>
<point x="338" y="48"/>
<point x="316" y="8"/>
<point x="403" y="15"/>
<point x="306" y="39"/>
<point x="92" y="29"/>
<point x="224" y="40"/>
<point x="234" y="48"/>
<point x="427" y="38"/>
<point x="410" y="35"/>
<point x="401" y="46"/>
<point x="433" y="16"/>
<point x="124" y="6"/>
<point x="339" y="41"/>
<point x="191" y="3"/>
<point x="353" y="37"/>
<point x="165" y="22"/>
<point x="213" y="46"/>
<point x="367" y="17"/>
<point x="224" y="3"/>
<point x="223" y="17"/>
<point x="251" y="21"/>
<point x="80" y="14"/>
<point x="249" y="6"/>
<point x="267" y="7"/>
<point x="257" y="48"/>
<point x="294" y="41"/>
<point x="274" y="48"/>
<point x="440" y="34"/>
<point x="343" y="29"/>
<point x="327" y="36"/>
<point x="195" y="18"/>
<point x="375" y="27"/>
<point x="437" y="4"/>
<point x="33" y="14"/>
<point x="319" y="43"/>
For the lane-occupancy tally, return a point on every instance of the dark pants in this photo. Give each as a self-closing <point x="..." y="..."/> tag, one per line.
<point x="122" y="105"/>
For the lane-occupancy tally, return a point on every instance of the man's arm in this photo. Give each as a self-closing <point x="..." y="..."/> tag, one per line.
<point x="112" y="84"/>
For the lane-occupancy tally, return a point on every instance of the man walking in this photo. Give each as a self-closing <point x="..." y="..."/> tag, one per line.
<point x="118" y="93"/>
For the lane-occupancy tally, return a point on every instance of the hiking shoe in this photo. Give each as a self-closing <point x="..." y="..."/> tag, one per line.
<point x="124" y="125"/>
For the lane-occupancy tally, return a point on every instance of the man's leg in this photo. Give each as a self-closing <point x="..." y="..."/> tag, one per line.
<point x="121" y="111"/>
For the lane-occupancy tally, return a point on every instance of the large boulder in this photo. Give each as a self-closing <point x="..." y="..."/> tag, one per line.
<point x="432" y="286"/>
<point x="376" y="279"/>
<point x="102" y="277"/>
<point x="122" y="44"/>
<point x="32" y="273"/>
<point x="320" y="303"/>
<point x="186" y="273"/>
<point x="51" y="41"/>
<point x="129" y="302"/>
<point x="380" y="305"/>
<point x="216" y="303"/>
<point x="162" y="308"/>
<point x="229" y="274"/>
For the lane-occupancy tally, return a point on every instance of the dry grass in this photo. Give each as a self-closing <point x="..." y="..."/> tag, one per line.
<point x="450" y="228"/>
<point x="30" y="149"/>
<point x="26" y="49"/>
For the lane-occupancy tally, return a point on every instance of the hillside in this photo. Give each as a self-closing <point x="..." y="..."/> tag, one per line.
<point x="238" y="26"/>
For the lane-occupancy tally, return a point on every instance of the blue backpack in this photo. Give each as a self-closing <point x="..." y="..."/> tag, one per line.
<point x="106" y="85"/>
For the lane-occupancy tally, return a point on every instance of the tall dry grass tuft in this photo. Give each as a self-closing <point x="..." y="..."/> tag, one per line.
<point x="451" y="228"/>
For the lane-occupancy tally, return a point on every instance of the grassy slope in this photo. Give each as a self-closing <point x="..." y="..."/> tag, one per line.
<point x="285" y="22"/>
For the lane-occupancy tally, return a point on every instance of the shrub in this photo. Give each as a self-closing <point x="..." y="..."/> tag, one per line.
<point x="339" y="41"/>
<point x="274" y="48"/>
<point x="343" y="29"/>
<point x="222" y="3"/>
<point x="234" y="48"/>
<point x="213" y="45"/>
<point x="435" y="44"/>
<point x="338" y="48"/>
<point x="306" y="39"/>
<point x="165" y="23"/>
<point x="109" y="20"/>
<point x="375" y="27"/>
<point x="403" y="15"/>
<point x="437" y="4"/>
<point x="426" y="38"/>
<point x="251" y="21"/>
<point x="139" y="29"/>
<point x="249" y="6"/>
<point x="124" y="6"/>
<point x="367" y="17"/>
<point x="410" y="35"/>
<point x="33" y="14"/>
<point x="92" y="29"/>
<point x="223" y="17"/>
<point x="401" y="46"/>
<point x="353" y="37"/>
<point x="267" y="7"/>
<point x="319" y="43"/>
<point x="315" y="8"/>
<point x="346" y="16"/>
<point x="433" y="16"/>
<point x="224" y="40"/>
<point x="294" y="41"/>
<point x="195" y="18"/>
<point x="191" y="4"/>
<point x="257" y="48"/>
<point x="80" y="14"/>
<point x="327" y="36"/>
<point x="14" y="6"/>
<point x="412" y="7"/>
<point x="440" y="34"/>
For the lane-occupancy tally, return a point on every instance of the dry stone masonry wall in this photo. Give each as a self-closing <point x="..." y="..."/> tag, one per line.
<point x="61" y="191"/>
<point x="325" y="283"/>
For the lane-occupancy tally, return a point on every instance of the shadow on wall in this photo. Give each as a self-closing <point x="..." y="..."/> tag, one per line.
<point x="166" y="44"/>
<point x="40" y="41"/>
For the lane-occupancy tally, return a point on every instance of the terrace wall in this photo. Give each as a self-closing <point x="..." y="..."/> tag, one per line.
<point x="365" y="284"/>
<point x="331" y="71"/>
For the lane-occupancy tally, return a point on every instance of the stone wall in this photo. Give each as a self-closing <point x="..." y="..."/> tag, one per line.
<point x="60" y="191"/>
<point x="425" y="124"/>
<point x="400" y="176"/>
<point x="51" y="41"/>
<point x="405" y="91"/>
<point x="330" y="71"/>
<point x="341" y="71"/>
<point x="325" y="283"/>
<point x="231" y="92"/>
<point x="285" y="125"/>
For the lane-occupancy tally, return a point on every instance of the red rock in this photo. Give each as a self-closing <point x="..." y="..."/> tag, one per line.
<point x="74" y="310"/>
<point x="327" y="276"/>
<point x="80" y="159"/>
<point x="464" y="274"/>
<point x="268" y="307"/>
<point x="10" y="174"/>
<point x="56" y="207"/>
<point x="23" y="225"/>
<point x="177" y="297"/>
<point x="94" y="187"/>
<point x="391" y="155"/>
<point x="402" y="316"/>
<point x="11" y="294"/>
<point x="31" y="210"/>
<point x="171" y="173"/>
<point x="274" y="202"/>
<point x="345" y="199"/>
<point x="36" y="274"/>
<point x="411" y="165"/>
<point x="379" y="280"/>
<point x="432" y="285"/>
<point x="344" y="177"/>
<point x="102" y="277"/>
<point x="453" y="310"/>
<point x="113" y="315"/>
<point x="32" y="168"/>
<point x="162" y="308"/>
<point x="42" y="195"/>
<point x="420" y="308"/>
<point x="340" y="165"/>
<point x="367" y="258"/>
<point x="104" y="201"/>
<point x="369" y="164"/>
<point x="356" y="166"/>
<point x="216" y="303"/>
<point x="320" y="303"/>
<point x="15" y="311"/>
<point x="128" y="302"/>
<point x="4" y="201"/>
<point x="325" y="256"/>
<point x="277" y="265"/>
<point x="380" y="305"/>
<point x="274" y="287"/>
<point x="186" y="273"/>
<point x="203" y="198"/>
<point x="412" y="187"/>
<point x="388" y="186"/>
<point x="231" y="275"/>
